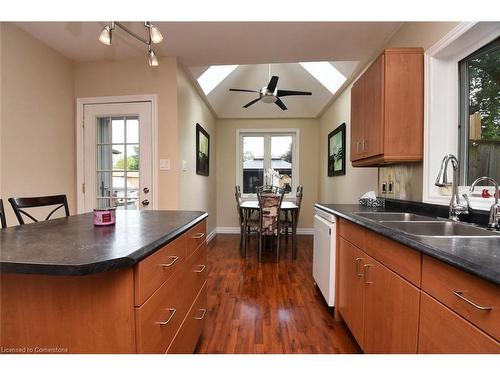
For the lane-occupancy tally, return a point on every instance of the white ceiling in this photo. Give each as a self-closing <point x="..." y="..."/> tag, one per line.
<point x="198" y="45"/>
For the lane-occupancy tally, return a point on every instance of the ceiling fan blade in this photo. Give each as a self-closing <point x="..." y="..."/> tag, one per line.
<point x="250" y="103"/>
<point x="242" y="90"/>
<point x="292" y="92"/>
<point x="273" y="83"/>
<point x="280" y="104"/>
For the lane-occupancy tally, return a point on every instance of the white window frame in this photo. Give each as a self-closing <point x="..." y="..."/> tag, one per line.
<point x="441" y="105"/>
<point x="294" y="132"/>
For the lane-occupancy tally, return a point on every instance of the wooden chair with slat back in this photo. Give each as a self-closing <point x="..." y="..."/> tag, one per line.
<point x="269" y="206"/>
<point x="2" y="215"/>
<point x="19" y="204"/>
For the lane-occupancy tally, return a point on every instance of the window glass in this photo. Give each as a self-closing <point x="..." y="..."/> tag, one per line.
<point x="281" y="159"/>
<point x="253" y="163"/>
<point x="480" y="113"/>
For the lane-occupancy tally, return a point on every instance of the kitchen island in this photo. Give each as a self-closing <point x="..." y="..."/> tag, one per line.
<point x="134" y="287"/>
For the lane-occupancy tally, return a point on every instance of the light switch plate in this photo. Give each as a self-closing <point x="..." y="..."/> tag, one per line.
<point x="164" y="164"/>
<point x="184" y="165"/>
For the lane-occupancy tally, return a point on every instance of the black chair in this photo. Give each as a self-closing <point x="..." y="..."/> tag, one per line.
<point x="270" y="224"/>
<point x="2" y="215"/>
<point x="248" y="224"/>
<point x="18" y="205"/>
<point x="286" y="217"/>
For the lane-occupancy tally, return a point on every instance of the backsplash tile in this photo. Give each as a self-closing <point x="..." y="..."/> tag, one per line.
<point x="401" y="181"/>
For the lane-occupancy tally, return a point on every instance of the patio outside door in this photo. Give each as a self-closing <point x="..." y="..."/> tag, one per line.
<point x="118" y="156"/>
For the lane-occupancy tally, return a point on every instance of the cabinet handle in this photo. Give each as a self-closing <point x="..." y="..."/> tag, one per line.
<point x="203" y="312"/>
<point x="201" y="269"/>
<point x="365" y="273"/>
<point x="363" y="145"/>
<point x="460" y="295"/>
<point x="357" y="262"/>
<point x="197" y="236"/>
<point x="165" y="322"/>
<point x="174" y="259"/>
<point x="357" y="147"/>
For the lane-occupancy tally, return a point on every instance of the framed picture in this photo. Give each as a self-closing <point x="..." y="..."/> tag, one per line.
<point x="336" y="152"/>
<point x="202" y="151"/>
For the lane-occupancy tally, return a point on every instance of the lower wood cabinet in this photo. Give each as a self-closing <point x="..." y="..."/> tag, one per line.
<point x="379" y="307"/>
<point x="391" y="308"/>
<point x="443" y="331"/>
<point x="394" y="300"/>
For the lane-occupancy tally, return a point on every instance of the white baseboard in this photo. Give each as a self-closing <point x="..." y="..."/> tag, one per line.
<point x="236" y="230"/>
<point x="211" y="235"/>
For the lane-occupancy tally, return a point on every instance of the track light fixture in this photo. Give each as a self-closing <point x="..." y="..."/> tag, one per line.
<point x="154" y="36"/>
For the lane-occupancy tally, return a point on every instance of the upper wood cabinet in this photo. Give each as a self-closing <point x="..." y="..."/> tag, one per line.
<point x="387" y="110"/>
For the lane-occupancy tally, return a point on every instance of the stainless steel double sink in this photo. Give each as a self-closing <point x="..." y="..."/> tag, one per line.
<point x="426" y="226"/>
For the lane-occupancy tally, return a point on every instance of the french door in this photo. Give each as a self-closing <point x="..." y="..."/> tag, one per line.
<point x="117" y="156"/>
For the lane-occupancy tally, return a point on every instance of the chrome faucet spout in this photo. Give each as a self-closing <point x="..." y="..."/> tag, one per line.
<point x="494" y="220"/>
<point x="457" y="207"/>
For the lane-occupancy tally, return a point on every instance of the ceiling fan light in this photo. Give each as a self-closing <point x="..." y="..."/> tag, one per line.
<point x="106" y="35"/>
<point x="155" y="34"/>
<point x="152" y="59"/>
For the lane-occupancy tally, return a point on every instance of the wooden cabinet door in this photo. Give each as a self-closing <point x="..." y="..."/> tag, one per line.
<point x="350" y="299"/>
<point x="372" y="139"/>
<point x="357" y="119"/>
<point x="391" y="310"/>
<point x="443" y="331"/>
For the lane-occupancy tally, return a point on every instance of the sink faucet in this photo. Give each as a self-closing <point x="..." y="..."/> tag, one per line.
<point x="457" y="207"/>
<point x="494" y="221"/>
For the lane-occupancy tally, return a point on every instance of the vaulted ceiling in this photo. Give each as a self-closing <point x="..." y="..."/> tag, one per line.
<point x="251" y="45"/>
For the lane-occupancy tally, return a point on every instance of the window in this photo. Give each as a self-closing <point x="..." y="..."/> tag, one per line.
<point x="260" y="150"/>
<point x="480" y="113"/>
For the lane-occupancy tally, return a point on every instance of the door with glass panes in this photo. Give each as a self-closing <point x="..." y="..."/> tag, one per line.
<point x="118" y="156"/>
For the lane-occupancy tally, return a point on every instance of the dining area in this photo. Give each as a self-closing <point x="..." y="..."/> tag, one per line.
<point x="268" y="216"/>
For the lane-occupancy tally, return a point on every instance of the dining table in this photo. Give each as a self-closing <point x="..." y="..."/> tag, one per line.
<point x="250" y="206"/>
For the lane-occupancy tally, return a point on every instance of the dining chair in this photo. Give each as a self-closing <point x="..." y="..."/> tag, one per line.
<point x="286" y="217"/>
<point x="19" y="204"/>
<point x="268" y="189"/>
<point x="2" y="215"/>
<point x="248" y="224"/>
<point x="270" y="223"/>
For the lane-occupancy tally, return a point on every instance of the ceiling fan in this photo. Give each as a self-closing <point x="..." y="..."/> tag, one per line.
<point x="269" y="93"/>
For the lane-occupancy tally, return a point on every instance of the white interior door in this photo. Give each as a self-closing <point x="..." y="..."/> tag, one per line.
<point x="118" y="156"/>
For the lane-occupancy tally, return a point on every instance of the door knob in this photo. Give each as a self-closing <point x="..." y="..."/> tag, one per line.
<point x="145" y="202"/>
<point x="145" y="190"/>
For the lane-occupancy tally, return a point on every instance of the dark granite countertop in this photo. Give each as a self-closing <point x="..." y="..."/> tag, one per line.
<point x="478" y="256"/>
<point x="74" y="246"/>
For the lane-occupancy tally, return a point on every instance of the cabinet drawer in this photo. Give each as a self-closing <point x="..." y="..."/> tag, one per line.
<point x="404" y="261"/>
<point x="353" y="233"/>
<point x="159" y="318"/>
<point x="196" y="236"/>
<point x="196" y="271"/>
<point x="154" y="270"/>
<point x="443" y="281"/>
<point x="443" y="331"/>
<point x="188" y="335"/>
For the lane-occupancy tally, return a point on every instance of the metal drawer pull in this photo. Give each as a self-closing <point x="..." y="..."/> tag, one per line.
<point x="174" y="259"/>
<point x="201" y="269"/>
<point x="460" y="295"/>
<point x="197" y="236"/>
<point x="357" y="261"/>
<point x="365" y="272"/>
<point x="165" y="322"/>
<point x="204" y="311"/>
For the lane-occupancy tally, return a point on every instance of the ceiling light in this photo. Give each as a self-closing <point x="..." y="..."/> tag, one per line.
<point x="152" y="59"/>
<point x="326" y="74"/>
<point x="154" y="33"/>
<point x="107" y="34"/>
<point x="213" y="76"/>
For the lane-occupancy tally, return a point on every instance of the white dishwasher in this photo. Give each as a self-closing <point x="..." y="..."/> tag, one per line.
<point x="324" y="254"/>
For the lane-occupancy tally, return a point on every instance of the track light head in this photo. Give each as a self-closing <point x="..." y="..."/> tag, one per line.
<point x="155" y="34"/>
<point x="107" y="34"/>
<point x="152" y="59"/>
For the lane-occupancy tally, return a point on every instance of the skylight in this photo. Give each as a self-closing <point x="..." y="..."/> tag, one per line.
<point x="326" y="74"/>
<point x="214" y="75"/>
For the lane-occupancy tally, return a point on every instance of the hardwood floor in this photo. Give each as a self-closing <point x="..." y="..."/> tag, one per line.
<point x="269" y="307"/>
